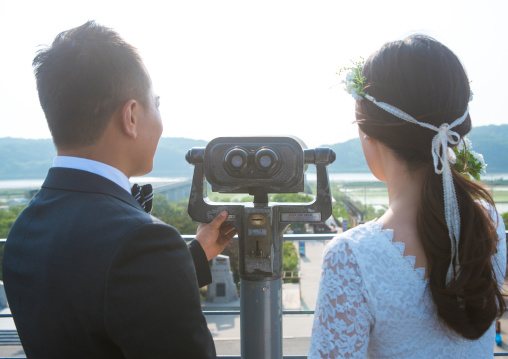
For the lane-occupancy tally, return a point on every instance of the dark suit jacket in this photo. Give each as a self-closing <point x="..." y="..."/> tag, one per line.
<point x="89" y="274"/>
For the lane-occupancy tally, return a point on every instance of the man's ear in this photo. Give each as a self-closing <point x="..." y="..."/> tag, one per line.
<point x="129" y="120"/>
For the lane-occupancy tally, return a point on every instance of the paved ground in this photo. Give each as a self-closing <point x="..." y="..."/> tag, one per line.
<point x="296" y="329"/>
<point x="291" y="296"/>
<point x="310" y="268"/>
<point x="291" y="346"/>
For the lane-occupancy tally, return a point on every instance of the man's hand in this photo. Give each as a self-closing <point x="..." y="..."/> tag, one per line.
<point x="214" y="236"/>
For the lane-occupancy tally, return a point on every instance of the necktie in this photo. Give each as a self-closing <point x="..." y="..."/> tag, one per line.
<point x="144" y="196"/>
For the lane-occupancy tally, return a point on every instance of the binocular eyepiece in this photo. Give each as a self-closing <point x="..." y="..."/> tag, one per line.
<point x="257" y="164"/>
<point x="243" y="162"/>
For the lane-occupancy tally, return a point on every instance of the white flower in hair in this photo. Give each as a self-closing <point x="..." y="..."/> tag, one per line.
<point x="478" y="156"/>
<point x="452" y="158"/>
<point x="481" y="160"/>
<point x="465" y="142"/>
<point x="469" y="163"/>
<point x="354" y="82"/>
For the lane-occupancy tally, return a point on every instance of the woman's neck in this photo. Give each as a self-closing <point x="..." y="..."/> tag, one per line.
<point x="404" y="191"/>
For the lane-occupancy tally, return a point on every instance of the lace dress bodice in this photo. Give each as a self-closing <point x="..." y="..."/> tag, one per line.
<point x="373" y="303"/>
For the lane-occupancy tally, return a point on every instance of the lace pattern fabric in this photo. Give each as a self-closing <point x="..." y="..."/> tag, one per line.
<point x="372" y="302"/>
<point x="344" y="332"/>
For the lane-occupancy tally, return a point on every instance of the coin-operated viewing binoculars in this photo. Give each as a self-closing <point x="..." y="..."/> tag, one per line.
<point x="259" y="166"/>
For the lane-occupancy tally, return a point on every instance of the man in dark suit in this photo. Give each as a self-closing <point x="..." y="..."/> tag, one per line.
<point x="88" y="273"/>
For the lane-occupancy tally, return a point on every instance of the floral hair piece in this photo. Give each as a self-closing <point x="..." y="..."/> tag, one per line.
<point x="355" y="82"/>
<point x="355" y="85"/>
<point x="467" y="162"/>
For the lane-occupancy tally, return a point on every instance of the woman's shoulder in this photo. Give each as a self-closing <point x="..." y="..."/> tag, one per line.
<point x="359" y="233"/>
<point x="355" y="238"/>
<point x="496" y="218"/>
<point x="499" y="258"/>
<point x="490" y="209"/>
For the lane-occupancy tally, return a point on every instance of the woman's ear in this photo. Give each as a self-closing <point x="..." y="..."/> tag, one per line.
<point x="373" y="152"/>
<point x="129" y="120"/>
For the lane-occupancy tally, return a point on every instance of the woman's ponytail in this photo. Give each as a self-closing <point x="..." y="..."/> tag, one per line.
<point x="470" y="303"/>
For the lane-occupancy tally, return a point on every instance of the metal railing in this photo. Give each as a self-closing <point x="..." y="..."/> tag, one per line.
<point x="296" y="237"/>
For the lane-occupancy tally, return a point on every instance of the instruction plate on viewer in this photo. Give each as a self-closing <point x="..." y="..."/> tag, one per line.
<point x="301" y="217"/>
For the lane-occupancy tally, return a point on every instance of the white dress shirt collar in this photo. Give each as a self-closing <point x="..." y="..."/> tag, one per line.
<point x="99" y="168"/>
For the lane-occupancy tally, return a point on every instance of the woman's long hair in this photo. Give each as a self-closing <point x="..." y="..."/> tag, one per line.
<point x="425" y="79"/>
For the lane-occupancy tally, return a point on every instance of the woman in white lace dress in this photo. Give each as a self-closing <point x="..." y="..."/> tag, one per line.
<point x="422" y="281"/>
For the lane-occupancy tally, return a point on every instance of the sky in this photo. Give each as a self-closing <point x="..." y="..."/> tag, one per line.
<point x="246" y="68"/>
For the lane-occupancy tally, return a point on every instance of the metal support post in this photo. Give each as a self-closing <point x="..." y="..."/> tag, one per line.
<point x="261" y="319"/>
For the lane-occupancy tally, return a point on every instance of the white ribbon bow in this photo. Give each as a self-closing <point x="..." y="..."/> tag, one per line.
<point x="440" y="143"/>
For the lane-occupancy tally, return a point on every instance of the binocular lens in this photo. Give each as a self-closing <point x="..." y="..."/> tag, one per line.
<point x="265" y="161"/>
<point x="237" y="161"/>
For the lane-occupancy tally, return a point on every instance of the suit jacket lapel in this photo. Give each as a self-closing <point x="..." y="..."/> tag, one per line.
<point x="82" y="181"/>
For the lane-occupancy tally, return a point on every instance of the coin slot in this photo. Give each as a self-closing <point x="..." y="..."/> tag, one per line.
<point x="258" y="219"/>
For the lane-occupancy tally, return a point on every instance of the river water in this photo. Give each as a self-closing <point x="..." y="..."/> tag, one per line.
<point x="37" y="183"/>
<point x="334" y="177"/>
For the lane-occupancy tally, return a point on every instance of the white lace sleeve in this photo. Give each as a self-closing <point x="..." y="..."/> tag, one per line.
<point x="342" y="320"/>
<point x="500" y="257"/>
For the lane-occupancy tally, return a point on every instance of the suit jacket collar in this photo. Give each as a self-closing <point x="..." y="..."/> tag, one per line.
<point x="82" y="181"/>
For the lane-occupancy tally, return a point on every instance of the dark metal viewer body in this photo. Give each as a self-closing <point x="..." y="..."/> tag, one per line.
<point x="258" y="166"/>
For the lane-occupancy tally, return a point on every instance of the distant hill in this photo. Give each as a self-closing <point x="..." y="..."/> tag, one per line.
<point x="492" y="143"/>
<point x="31" y="159"/>
<point x="25" y="159"/>
<point x="349" y="157"/>
<point x="170" y="160"/>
